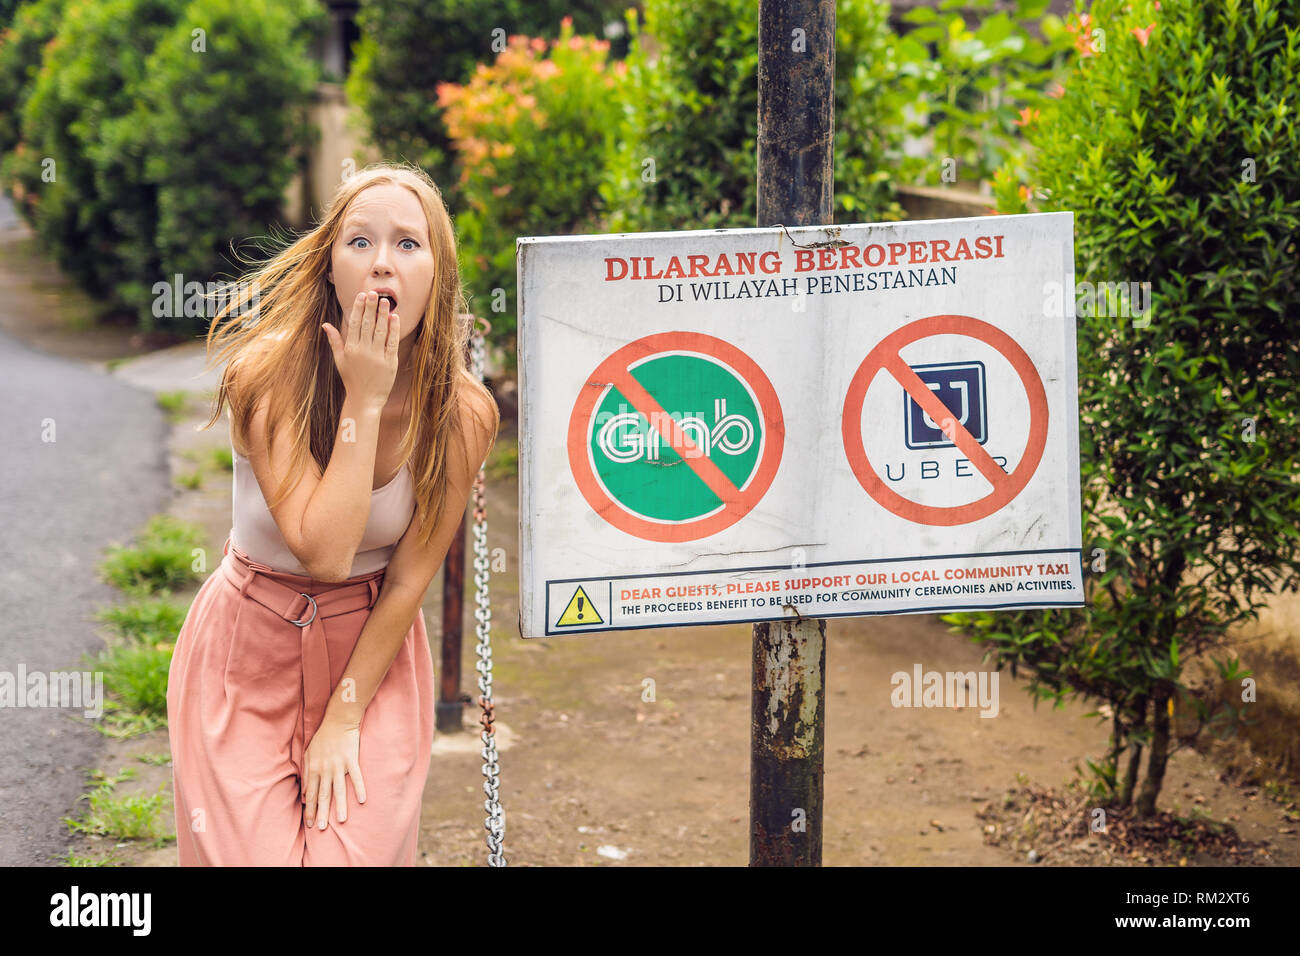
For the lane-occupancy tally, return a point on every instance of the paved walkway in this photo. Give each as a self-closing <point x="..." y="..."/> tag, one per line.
<point x="84" y="465"/>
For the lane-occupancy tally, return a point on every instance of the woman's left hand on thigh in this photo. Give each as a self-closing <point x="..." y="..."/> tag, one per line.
<point x="332" y="753"/>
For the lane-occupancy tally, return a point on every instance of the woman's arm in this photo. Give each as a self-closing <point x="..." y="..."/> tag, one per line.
<point x="334" y="750"/>
<point x="323" y="518"/>
<point x="410" y="570"/>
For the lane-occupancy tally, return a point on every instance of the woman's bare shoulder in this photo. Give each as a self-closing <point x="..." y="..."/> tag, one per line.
<point x="479" y="423"/>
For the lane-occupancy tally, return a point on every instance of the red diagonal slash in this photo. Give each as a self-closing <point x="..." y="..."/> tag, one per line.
<point x="938" y="411"/>
<point x="678" y="440"/>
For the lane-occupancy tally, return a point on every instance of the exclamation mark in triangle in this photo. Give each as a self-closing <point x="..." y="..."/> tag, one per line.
<point x="579" y="611"/>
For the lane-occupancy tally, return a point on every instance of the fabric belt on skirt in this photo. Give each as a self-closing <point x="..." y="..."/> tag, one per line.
<point x="305" y="608"/>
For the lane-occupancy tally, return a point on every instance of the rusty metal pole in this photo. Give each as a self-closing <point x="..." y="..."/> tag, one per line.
<point x="796" y="99"/>
<point x="451" y="702"/>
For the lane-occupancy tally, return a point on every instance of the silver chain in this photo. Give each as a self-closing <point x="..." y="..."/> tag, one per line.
<point x="495" y="823"/>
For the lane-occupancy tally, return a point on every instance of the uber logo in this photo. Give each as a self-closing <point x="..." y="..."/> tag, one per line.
<point x="960" y="386"/>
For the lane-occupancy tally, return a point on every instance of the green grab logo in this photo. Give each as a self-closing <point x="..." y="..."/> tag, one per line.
<point x="629" y="447"/>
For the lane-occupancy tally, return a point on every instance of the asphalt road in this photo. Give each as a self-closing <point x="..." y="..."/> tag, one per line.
<point x="98" y="481"/>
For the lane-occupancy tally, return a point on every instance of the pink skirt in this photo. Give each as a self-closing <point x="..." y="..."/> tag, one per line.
<point x="246" y="692"/>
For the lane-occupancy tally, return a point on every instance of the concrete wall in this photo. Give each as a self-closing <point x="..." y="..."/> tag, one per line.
<point x="924" y="202"/>
<point x="342" y="137"/>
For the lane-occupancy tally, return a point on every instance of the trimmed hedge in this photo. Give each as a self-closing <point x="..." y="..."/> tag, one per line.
<point x="33" y="26"/>
<point x="165" y="126"/>
<point x="692" y="110"/>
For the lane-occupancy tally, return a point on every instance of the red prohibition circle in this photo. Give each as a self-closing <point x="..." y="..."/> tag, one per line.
<point x="613" y="371"/>
<point x="885" y="357"/>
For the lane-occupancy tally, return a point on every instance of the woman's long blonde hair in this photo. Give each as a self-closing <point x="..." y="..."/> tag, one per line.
<point x="291" y="297"/>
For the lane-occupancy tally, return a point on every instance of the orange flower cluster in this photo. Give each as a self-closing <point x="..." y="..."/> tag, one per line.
<point x="1027" y="116"/>
<point x="1081" y="28"/>
<point x="1082" y="35"/>
<point x="480" y="114"/>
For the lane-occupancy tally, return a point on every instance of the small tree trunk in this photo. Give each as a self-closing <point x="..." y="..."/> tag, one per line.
<point x="1155" y="778"/>
<point x="1130" y="775"/>
<point x="1129" y="783"/>
<point x="1118" y="736"/>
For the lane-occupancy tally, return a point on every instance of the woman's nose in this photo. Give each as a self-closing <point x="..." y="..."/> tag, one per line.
<point x="382" y="254"/>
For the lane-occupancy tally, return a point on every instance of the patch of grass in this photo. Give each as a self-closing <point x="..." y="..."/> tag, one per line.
<point x="1198" y="816"/>
<point x="133" y="817"/>
<point x="173" y="403"/>
<point x="222" y="459"/>
<point x="504" y="461"/>
<point x="162" y="560"/>
<point x="146" y="620"/>
<point x="136" y="675"/>
<point x="121" y="723"/>
<point x="1279" y="790"/>
<point x="215" y="459"/>
<point x="73" y="860"/>
<point x="162" y="758"/>
<point x="136" y="662"/>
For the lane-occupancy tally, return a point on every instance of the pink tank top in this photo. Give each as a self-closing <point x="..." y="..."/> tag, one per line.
<point x="257" y="535"/>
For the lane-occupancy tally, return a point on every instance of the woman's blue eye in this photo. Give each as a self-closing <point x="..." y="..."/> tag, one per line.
<point x="364" y="239"/>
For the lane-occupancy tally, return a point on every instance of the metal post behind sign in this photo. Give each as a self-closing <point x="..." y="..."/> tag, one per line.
<point x="451" y="702"/>
<point x="450" y="708"/>
<point x="796" y="177"/>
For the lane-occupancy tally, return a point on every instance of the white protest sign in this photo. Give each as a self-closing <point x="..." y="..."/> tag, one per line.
<point x="741" y="425"/>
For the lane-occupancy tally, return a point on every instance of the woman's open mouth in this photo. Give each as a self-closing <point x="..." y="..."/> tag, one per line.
<point x="392" y="303"/>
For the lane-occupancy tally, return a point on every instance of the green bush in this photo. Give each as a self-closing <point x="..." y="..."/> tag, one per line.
<point x="975" y="86"/>
<point x="96" y="222"/>
<point x="408" y="47"/>
<point x="8" y="8"/>
<point x="532" y="132"/>
<point x="217" y="132"/>
<point x="166" y="142"/>
<point x="21" y="45"/>
<point x="1174" y="144"/>
<point x="688" y="158"/>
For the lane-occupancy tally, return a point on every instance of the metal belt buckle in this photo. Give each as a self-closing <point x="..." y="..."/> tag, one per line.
<point x="313" y="611"/>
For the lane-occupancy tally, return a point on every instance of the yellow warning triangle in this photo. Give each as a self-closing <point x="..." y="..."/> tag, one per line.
<point x="579" y="611"/>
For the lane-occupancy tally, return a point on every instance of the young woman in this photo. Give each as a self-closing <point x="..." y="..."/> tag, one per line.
<point x="357" y="429"/>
